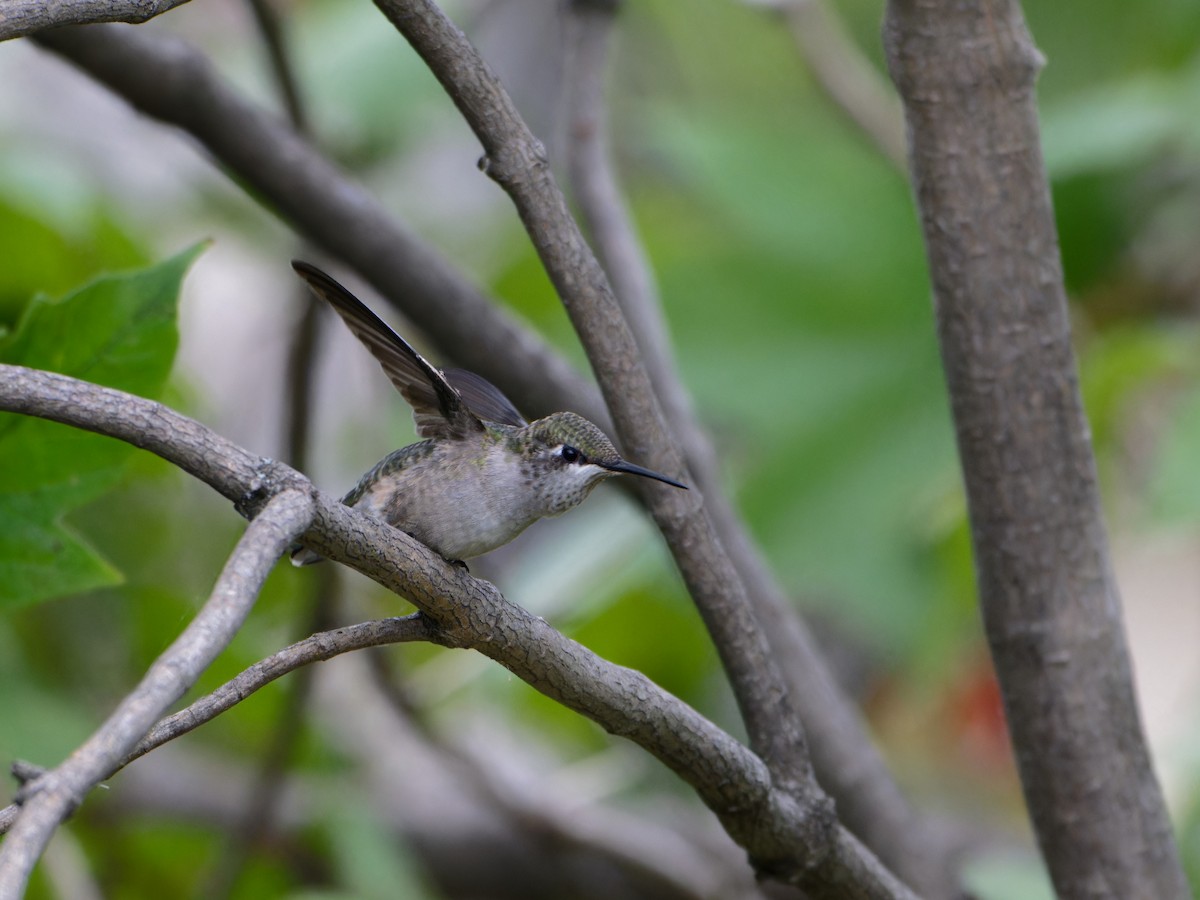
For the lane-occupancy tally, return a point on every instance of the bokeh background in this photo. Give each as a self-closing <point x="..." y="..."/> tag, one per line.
<point x="791" y="269"/>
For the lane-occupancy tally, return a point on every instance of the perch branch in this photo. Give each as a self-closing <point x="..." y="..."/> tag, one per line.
<point x="467" y="613"/>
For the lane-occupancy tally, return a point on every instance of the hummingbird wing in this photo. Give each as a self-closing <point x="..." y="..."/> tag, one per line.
<point x="484" y="398"/>
<point x="438" y="409"/>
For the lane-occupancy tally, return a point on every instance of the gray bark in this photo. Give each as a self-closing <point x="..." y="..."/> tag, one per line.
<point x="1050" y="604"/>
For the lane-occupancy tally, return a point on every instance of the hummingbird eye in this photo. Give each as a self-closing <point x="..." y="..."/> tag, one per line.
<point x="570" y="454"/>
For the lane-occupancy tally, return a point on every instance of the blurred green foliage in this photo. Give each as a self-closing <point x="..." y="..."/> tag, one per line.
<point x="51" y="255"/>
<point x="118" y="331"/>
<point x="792" y="272"/>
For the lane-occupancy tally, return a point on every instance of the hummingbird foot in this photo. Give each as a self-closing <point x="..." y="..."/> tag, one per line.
<point x="302" y="556"/>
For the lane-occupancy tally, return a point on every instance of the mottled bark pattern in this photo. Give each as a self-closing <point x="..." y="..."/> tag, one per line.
<point x="966" y="72"/>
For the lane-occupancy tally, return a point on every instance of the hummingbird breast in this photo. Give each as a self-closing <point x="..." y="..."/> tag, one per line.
<point x="460" y="498"/>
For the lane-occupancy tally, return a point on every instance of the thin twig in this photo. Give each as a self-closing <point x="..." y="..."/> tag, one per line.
<point x="19" y="18"/>
<point x="49" y="799"/>
<point x="270" y="29"/>
<point x="730" y="779"/>
<point x="319" y="647"/>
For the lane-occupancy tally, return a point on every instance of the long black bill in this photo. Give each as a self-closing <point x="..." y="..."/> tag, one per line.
<point x="629" y="468"/>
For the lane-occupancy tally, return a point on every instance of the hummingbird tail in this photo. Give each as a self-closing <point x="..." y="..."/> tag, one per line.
<point x="302" y="556"/>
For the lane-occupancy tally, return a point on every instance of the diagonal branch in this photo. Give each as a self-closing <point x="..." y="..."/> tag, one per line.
<point x="845" y="759"/>
<point x="47" y="800"/>
<point x="467" y="613"/>
<point x="516" y="160"/>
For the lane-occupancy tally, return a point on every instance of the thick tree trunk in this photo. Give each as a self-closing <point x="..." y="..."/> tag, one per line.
<point x="966" y="73"/>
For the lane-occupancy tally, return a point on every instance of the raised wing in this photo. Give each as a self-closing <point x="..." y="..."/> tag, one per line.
<point x="438" y="409"/>
<point x="484" y="398"/>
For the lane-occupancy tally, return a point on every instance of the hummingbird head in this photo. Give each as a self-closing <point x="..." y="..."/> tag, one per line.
<point x="569" y="456"/>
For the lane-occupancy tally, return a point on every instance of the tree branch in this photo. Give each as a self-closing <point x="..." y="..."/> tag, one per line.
<point x="468" y="613"/>
<point x="316" y="648"/>
<point x="844" y="757"/>
<point x="47" y="800"/>
<point x="23" y="17"/>
<point x="966" y="73"/>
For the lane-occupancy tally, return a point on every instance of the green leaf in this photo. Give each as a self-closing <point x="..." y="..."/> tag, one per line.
<point x="118" y="331"/>
<point x="55" y="252"/>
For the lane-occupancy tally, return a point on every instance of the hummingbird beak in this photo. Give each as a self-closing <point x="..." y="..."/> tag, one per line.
<point x="628" y="468"/>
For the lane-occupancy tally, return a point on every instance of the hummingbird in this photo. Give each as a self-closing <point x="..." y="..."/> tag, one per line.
<point x="482" y="474"/>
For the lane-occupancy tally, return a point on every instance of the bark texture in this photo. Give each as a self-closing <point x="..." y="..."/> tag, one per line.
<point x="966" y="72"/>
